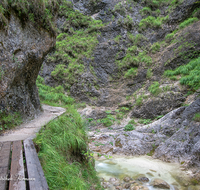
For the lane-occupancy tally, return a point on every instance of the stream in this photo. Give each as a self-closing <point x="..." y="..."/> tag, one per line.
<point x="137" y="167"/>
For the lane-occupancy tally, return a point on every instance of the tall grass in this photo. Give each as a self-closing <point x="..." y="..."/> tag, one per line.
<point x="190" y="74"/>
<point x="62" y="145"/>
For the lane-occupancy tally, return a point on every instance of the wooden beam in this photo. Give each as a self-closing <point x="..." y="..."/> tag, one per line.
<point x="17" y="168"/>
<point x="4" y="163"/>
<point x="34" y="167"/>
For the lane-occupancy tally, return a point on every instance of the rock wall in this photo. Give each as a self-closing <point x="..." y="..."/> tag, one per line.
<point x="22" y="51"/>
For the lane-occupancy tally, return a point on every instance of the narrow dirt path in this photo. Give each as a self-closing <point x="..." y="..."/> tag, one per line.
<point x="29" y="130"/>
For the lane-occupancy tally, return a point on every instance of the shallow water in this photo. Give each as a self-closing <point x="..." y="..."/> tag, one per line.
<point x="133" y="166"/>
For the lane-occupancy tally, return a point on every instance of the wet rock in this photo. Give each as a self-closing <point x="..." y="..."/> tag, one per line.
<point x="159" y="183"/>
<point x="135" y="188"/>
<point x="126" y="185"/>
<point x="119" y="187"/>
<point x="143" y="179"/>
<point x="127" y="179"/>
<point x="105" y="184"/>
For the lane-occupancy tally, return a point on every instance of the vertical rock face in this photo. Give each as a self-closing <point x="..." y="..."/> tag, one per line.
<point x="22" y="50"/>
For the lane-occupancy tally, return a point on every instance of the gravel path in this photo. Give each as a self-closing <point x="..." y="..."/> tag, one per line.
<point x="29" y="130"/>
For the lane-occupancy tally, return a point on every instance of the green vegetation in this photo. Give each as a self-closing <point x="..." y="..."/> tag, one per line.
<point x="149" y="73"/>
<point x="188" y="22"/>
<point x="154" y="88"/>
<point x="197" y="117"/>
<point x="155" y="47"/>
<point x="8" y="121"/>
<point x="132" y="121"/>
<point x="131" y="73"/>
<point x="129" y="127"/>
<point x="62" y="145"/>
<point x="150" y="22"/>
<point x="1" y="73"/>
<point x="190" y="74"/>
<point x="76" y="42"/>
<point x="39" y="12"/>
<point x="52" y="96"/>
<point x="145" y="121"/>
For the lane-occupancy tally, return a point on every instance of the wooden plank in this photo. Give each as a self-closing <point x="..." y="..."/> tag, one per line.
<point x="17" y="168"/>
<point x="4" y="163"/>
<point x="34" y="167"/>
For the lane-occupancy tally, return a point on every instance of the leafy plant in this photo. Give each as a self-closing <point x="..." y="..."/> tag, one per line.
<point x="131" y="73"/>
<point x="190" y="73"/>
<point x="154" y="88"/>
<point x="188" y="22"/>
<point x="129" y="127"/>
<point x="132" y="121"/>
<point x="197" y="117"/>
<point x="155" y="47"/>
<point x="145" y="121"/>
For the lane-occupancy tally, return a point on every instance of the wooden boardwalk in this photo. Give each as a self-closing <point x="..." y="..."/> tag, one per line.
<point x="20" y="168"/>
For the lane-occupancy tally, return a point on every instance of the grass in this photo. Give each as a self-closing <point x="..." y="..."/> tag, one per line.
<point x="129" y="127"/>
<point x="131" y="73"/>
<point x="154" y="88"/>
<point x="9" y="120"/>
<point x="74" y="42"/>
<point x="190" y="74"/>
<point x="144" y="121"/>
<point x="197" y="117"/>
<point x="62" y="145"/>
<point x="188" y="22"/>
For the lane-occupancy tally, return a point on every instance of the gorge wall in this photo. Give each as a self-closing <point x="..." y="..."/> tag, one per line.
<point x="23" y="46"/>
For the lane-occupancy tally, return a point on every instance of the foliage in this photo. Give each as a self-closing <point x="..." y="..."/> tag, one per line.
<point x="74" y="43"/>
<point x="61" y="146"/>
<point x="150" y="22"/>
<point x="149" y="73"/>
<point x="132" y="121"/>
<point x="37" y="11"/>
<point x="129" y="127"/>
<point x="188" y="22"/>
<point x="155" y="47"/>
<point x="190" y="73"/>
<point x="145" y="11"/>
<point x="144" y="121"/>
<point x="131" y="73"/>
<point x="197" y="117"/>
<point x="52" y="96"/>
<point x="154" y="88"/>
<point x="120" y="9"/>
<point x="9" y="120"/>
<point x="128" y="22"/>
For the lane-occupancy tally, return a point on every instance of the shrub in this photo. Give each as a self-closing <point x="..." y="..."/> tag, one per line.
<point x="149" y="73"/>
<point x="131" y="73"/>
<point x="129" y="127"/>
<point x="155" y="47"/>
<point x="188" y="22"/>
<point x="151" y="22"/>
<point x="128" y="22"/>
<point x="154" y="88"/>
<point x="197" y="117"/>
<point x="145" y="121"/>
<point x="190" y="73"/>
<point x="145" y="11"/>
<point x="132" y="121"/>
<point x="9" y="120"/>
<point x="52" y="96"/>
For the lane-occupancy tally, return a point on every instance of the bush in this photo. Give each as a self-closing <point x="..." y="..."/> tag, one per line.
<point x="52" y="96"/>
<point x="190" y="74"/>
<point x="129" y="127"/>
<point x="197" y="117"/>
<point x="131" y="73"/>
<point x="154" y="88"/>
<point x="188" y="22"/>
<point x="155" y="47"/>
<point x="150" y="22"/>
<point x="9" y="120"/>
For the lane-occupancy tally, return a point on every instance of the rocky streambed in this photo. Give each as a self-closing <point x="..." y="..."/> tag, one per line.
<point x="174" y="139"/>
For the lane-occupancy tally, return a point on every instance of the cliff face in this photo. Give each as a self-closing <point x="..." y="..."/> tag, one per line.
<point x="22" y="50"/>
<point x="138" y="41"/>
